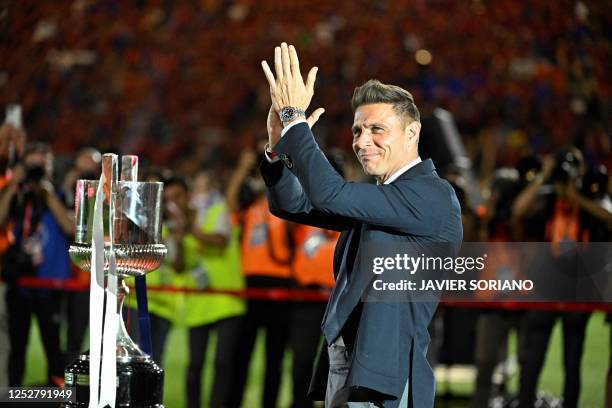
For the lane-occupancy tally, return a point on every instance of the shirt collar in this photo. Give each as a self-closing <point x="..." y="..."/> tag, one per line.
<point x="401" y="171"/>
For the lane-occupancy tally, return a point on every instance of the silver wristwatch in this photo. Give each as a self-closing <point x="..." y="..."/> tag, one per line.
<point x="289" y="114"/>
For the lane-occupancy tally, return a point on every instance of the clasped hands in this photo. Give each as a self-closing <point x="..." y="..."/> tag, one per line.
<point x="288" y="89"/>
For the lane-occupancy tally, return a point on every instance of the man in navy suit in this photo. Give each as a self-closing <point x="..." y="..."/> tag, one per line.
<point x="375" y="351"/>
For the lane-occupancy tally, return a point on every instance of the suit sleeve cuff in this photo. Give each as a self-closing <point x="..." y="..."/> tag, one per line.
<point x="271" y="157"/>
<point x="290" y="141"/>
<point x="292" y="124"/>
<point x="271" y="172"/>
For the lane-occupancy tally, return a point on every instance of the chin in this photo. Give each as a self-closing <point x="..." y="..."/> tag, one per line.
<point x="370" y="171"/>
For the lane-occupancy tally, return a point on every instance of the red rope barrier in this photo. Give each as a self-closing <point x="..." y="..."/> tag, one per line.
<point x="313" y="295"/>
<point x="273" y="294"/>
<point x="549" y="306"/>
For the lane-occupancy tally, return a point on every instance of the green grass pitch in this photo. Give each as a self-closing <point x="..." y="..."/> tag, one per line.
<point x="594" y="368"/>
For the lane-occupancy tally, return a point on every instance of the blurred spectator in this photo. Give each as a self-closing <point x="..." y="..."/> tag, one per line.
<point x="204" y="192"/>
<point x="202" y="253"/>
<point x="4" y="338"/>
<point x="494" y="326"/>
<point x="163" y="307"/>
<point x="146" y="76"/>
<point x="267" y="254"/>
<point x="568" y="216"/>
<point x="42" y="227"/>
<point x="87" y="166"/>
<point x="313" y="269"/>
<point x="16" y="137"/>
<point x="219" y="252"/>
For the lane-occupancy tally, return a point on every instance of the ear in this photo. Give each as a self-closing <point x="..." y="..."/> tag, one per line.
<point x="412" y="131"/>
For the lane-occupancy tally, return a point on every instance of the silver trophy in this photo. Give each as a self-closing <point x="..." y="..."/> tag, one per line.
<point x="132" y="214"/>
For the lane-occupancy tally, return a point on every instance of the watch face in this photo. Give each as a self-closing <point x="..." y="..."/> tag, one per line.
<point x="288" y="114"/>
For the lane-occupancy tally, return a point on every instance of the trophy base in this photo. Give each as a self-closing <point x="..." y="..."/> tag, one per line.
<point x="140" y="383"/>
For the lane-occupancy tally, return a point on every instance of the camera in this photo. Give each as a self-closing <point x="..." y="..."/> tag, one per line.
<point x="595" y="182"/>
<point x="88" y="175"/>
<point x="567" y="166"/>
<point x="34" y="174"/>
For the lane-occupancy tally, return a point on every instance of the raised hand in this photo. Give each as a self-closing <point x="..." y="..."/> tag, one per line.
<point x="11" y="136"/>
<point x="288" y="88"/>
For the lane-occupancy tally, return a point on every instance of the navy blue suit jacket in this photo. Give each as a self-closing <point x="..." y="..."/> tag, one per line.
<point x="388" y="340"/>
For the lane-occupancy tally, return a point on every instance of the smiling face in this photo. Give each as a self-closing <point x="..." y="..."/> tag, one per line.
<point x="383" y="141"/>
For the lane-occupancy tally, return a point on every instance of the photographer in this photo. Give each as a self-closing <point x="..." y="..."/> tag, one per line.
<point x="267" y="256"/>
<point x="86" y="166"/>
<point x="552" y="209"/>
<point x="12" y="140"/>
<point x="41" y="227"/>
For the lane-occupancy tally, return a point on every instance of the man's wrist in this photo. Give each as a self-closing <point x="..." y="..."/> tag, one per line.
<point x="293" y="122"/>
<point x="289" y="114"/>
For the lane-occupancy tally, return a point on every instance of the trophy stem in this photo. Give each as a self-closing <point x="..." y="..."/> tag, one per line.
<point x="126" y="348"/>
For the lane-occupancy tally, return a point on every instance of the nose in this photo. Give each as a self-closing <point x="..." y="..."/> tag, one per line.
<point x="364" y="141"/>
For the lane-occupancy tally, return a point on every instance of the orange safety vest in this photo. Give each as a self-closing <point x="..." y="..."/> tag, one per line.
<point x="564" y="226"/>
<point x="6" y="235"/>
<point x="503" y="262"/>
<point x="314" y="255"/>
<point x="265" y="243"/>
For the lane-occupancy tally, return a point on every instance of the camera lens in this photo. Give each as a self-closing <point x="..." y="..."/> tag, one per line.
<point x="34" y="174"/>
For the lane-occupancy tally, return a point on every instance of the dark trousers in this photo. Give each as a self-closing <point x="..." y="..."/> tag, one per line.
<point x="77" y="318"/>
<point x="160" y="328"/>
<point x="492" y="332"/>
<point x="274" y="318"/>
<point x="305" y="341"/>
<point x="46" y="305"/>
<point x="227" y="339"/>
<point x="227" y="331"/>
<point x="538" y="327"/>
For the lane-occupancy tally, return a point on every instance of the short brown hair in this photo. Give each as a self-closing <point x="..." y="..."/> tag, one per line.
<point x="375" y="91"/>
<point x="38" y="147"/>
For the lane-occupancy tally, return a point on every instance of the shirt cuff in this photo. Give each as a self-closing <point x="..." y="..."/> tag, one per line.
<point x="285" y="130"/>
<point x="270" y="157"/>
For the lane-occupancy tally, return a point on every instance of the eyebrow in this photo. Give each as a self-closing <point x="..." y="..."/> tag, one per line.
<point x="355" y="128"/>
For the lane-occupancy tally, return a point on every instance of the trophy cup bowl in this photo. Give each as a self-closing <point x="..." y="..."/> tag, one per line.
<point x="132" y="260"/>
<point x="136" y="235"/>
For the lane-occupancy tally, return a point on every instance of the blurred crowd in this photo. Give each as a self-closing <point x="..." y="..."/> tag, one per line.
<point x="180" y="81"/>
<point x="179" y="84"/>
<point x="223" y="237"/>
